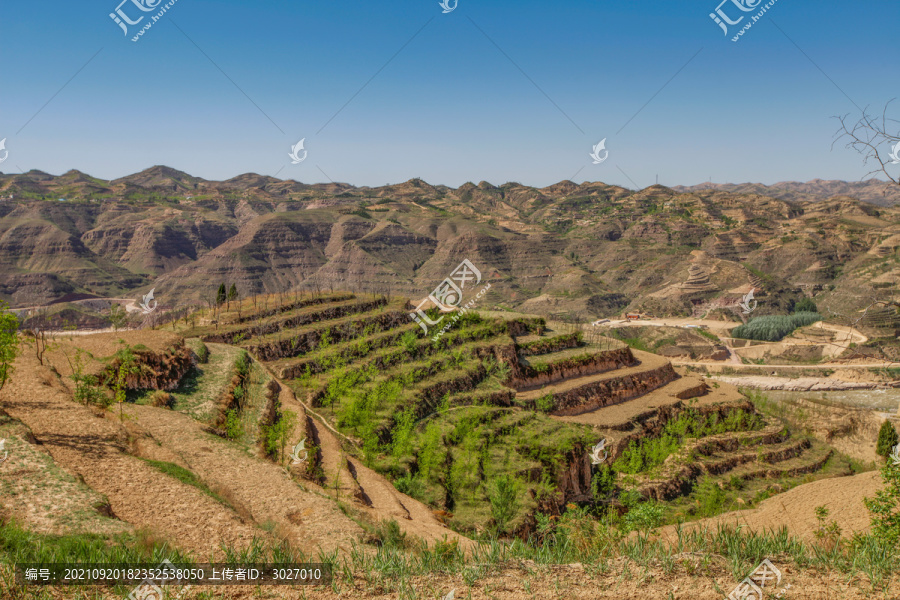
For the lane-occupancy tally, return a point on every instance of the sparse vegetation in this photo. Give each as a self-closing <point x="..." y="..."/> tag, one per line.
<point x="9" y="343"/>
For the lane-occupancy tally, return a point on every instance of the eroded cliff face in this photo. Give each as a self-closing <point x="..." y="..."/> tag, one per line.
<point x="530" y="377"/>
<point x="572" y="478"/>
<point x="155" y="371"/>
<point x="612" y="391"/>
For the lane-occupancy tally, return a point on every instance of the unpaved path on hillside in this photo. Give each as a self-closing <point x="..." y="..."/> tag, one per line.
<point x="94" y="447"/>
<point x="265" y="490"/>
<point x="884" y="364"/>
<point x="796" y="508"/>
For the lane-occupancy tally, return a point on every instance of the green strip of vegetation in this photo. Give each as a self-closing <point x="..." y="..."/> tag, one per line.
<point x="185" y="476"/>
<point x="773" y="328"/>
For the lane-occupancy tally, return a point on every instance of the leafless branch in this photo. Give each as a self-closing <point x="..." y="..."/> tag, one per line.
<point x="868" y="136"/>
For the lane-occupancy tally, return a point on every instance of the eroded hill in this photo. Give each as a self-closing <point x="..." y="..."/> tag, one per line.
<point x="588" y="250"/>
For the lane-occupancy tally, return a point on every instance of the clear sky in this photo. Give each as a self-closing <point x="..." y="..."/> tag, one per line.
<point x="497" y="91"/>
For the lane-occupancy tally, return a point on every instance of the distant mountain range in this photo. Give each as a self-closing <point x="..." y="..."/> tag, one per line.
<point x="586" y="250"/>
<point x="877" y="192"/>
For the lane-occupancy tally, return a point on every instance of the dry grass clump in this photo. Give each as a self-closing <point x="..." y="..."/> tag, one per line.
<point x="161" y="399"/>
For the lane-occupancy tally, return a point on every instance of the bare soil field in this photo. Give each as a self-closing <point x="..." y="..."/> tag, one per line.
<point x="795" y="509"/>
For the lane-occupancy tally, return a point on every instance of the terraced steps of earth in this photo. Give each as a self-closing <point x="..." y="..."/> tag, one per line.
<point x="225" y="331"/>
<point x="535" y="345"/>
<point x="583" y="361"/>
<point x="627" y="416"/>
<point x="789" y="458"/>
<point x="562" y="355"/>
<point x="350" y="350"/>
<point x="309" y="521"/>
<point x="771" y="454"/>
<point x="795" y="509"/>
<point x="95" y="448"/>
<point x="346" y="477"/>
<point x="584" y="394"/>
<point x="813" y="458"/>
<point x="310" y="316"/>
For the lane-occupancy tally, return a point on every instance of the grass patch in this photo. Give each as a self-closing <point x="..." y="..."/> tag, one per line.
<point x="188" y="477"/>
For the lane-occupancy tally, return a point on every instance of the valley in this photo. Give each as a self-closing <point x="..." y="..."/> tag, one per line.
<point x="211" y="371"/>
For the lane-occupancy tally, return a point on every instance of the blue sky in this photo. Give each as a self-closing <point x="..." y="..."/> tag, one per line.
<point x="499" y="91"/>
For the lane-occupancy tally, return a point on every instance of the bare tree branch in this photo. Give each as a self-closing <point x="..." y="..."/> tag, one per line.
<point x="868" y="136"/>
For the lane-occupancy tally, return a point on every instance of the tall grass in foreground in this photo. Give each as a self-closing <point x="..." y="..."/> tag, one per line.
<point x="391" y="566"/>
<point x="580" y="539"/>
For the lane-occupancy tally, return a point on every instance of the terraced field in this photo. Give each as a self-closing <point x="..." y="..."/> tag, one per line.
<point x="492" y="422"/>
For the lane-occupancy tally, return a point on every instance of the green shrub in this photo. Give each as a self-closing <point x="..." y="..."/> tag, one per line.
<point x="805" y="305"/>
<point x="545" y="403"/>
<point x="504" y="499"/>
<point x="887" y="439"/>
<point x="431" y="456"/>
<point x="402" y="434"/>
<point x="885" y="506"/>
<point x="389" y="534"/>
<point x="242" y="364"/>
<point x="603" y="483"/>
<point x="709" y="496"/>
<point x="409" y="341"/>
<point x="88" y="392"/>
<point x="234" y="428"/>
<point x="411" y="485"/>
<point x="644" y="517"/>
<point x="276" y="436"/>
